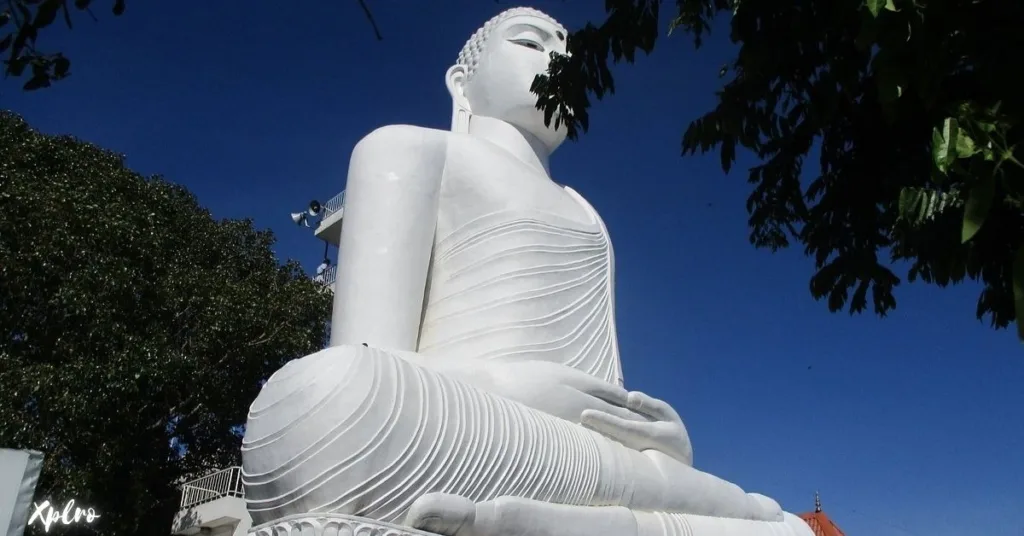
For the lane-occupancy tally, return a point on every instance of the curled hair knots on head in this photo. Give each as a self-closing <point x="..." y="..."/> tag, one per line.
<point x="473" y="49"/>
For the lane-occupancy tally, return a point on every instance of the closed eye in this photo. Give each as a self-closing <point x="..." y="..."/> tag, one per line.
<point x="528" y="44"/>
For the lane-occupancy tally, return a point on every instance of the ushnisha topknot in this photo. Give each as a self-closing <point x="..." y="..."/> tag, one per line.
<point x="471" y="52"/>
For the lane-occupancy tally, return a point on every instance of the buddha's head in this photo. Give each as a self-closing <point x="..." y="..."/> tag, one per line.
<point x="494" y="72"/>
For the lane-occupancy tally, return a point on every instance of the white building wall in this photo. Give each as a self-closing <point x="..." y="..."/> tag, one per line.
<point x="226" y="516"/>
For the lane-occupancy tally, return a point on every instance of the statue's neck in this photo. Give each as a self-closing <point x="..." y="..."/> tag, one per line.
<point x="524" y="146"/>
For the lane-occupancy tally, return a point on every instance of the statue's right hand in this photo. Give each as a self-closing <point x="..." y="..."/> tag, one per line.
<point x="663" y="433"/>
<point x="553" y="388"/>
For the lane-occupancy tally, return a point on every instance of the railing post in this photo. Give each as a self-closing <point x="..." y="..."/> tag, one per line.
<point x="223" y="483"/>
<point x="335" y="204"/>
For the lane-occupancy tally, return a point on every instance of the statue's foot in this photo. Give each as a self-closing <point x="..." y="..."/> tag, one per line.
<point x="451" y="515"/>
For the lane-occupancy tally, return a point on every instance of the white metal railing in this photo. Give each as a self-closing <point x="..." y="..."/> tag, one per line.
<point x="327" y="277"/>
<point x="223" y="483"/>
<point x="335" y="204"/>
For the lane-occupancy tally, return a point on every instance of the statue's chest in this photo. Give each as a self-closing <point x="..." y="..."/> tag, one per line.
<point x="505" y="188"/>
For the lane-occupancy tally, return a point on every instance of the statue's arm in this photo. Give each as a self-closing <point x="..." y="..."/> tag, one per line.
<point x="391" y="208"/>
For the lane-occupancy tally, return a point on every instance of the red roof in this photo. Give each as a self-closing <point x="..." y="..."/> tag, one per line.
<point x="819" y="521"/>
<point x="821" y="524"/>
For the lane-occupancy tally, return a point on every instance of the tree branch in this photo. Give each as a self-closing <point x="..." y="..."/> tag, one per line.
<point x="262" y="339"/>
<point x="369" y="17"/>
<point x="265" y="338"/>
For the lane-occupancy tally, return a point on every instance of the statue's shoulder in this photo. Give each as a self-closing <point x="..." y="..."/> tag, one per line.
<point x="393" y="138"/>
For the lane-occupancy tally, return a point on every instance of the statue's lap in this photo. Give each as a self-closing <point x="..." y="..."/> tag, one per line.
<point x="356" y="431"/>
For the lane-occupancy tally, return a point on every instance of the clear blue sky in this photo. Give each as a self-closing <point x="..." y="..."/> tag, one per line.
<point x="911" y="425"/>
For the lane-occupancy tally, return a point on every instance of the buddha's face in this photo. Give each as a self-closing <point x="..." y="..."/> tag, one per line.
<point x="516" y="51"/>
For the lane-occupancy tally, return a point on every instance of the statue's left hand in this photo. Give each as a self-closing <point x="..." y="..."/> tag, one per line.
<point x="665" y="432"/>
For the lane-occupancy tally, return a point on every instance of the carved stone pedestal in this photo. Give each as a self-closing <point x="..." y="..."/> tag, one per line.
<point x="332" y="525"/>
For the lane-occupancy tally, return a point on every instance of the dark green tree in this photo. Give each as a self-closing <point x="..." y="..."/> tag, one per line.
<point x="913" y="107"/>
<point x="131" y="318"/>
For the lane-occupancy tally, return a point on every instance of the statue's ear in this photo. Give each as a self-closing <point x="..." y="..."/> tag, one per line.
<point x="455" y="79"/>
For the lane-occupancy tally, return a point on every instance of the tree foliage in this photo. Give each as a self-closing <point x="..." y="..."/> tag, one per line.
<point x="129" y="319"/>
<point x="912" y="107"/>
<point x="21" y="21"/>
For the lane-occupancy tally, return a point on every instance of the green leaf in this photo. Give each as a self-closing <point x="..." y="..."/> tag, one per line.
<point x="1008" y="154"/>
<point x="890" y="6"/>
<point x="875" y="6"/>
<point x="46" y="14"/>
<point x="36" y="82"/>
<point x="921" y="205"/>
<point x="727" y="152"/>
<point x="965" y="146"/>
<point x="60" y="67"/>
<point x="944" y="144"/>
<point x="17" y="66"/>
<point x="674" y="23"/>
<point x="976" y="210"/>
<point x="910" y="198"/>
<point x="1018" y="291"/>
<point x="989" y="152"/>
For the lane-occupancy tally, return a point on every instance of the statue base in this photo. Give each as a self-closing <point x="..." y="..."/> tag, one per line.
<point x="652" y="524"/>
<point x="332" y="525"/>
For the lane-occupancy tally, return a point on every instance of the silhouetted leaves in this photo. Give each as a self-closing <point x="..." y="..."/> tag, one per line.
<point x="20" y="43"/>
<point x="130" y="317"/>
<point x="977" y="207"/>
<point x="1018" y="288"/>
<point x="913" y="108"/>
<point x="563" y="92"/>
<point x="46" y="13"/>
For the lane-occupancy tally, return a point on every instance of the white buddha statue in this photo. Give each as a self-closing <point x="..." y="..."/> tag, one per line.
<point x="473" y="386"/>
